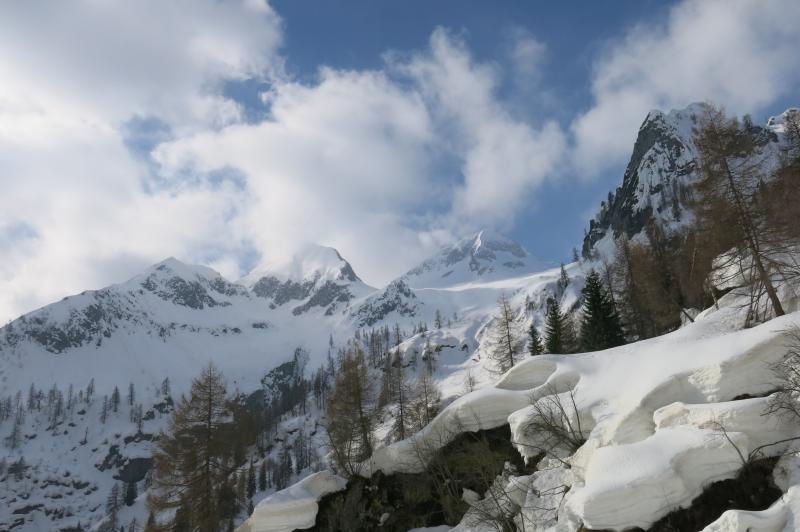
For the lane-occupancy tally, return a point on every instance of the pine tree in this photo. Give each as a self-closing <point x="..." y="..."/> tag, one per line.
<point x="251" y="481"/>
<point x="165" y="387"/>
<point x="535" y="346"/>
<point x="601" y="327"/>
<point x="130" y="493"/>
<point x="131" y="394"/>
<point x="104" y="410"/>
<point x="90" y="390"/>
<point x="112" y="510"/>
<point x="192" y="457"/>
<point x="555" y="328"/>
<point x="15" y="436"/>
<point x="115" y="399"/>
<point x="563" y="281"/>
<point x="262" y="476"/>
<point x="437" y="321"/>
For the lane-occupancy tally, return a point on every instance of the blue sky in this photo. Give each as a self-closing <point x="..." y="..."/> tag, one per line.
<point x="355" y="35"/>
<point x="231" y="133"/>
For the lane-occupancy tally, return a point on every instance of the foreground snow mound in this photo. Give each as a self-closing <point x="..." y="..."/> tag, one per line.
<point x="295" y="507"/>
<point x="656" y="422"/>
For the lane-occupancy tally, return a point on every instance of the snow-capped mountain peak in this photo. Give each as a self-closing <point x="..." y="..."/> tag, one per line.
<point x="484" y="255"/>
<point x="187" y="285"/>
<point x="312" y="261"/>
<point x="315" y="276"/>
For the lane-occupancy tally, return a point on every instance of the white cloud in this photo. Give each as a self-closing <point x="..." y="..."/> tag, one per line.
<point x="502" y="158"/>
<point x="74" y="213"/>
<point x="102" y="62"/>
<point x="527" y="54"/>
<point x="739" y="53"/>
<point x="352" y="160"/>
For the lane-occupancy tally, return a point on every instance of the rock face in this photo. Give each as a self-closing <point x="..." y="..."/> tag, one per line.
<point x="657" y="184"/>
<point x="397" y="297"/>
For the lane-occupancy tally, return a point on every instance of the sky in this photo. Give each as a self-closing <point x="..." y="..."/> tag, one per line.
<point x="229" y="133"/>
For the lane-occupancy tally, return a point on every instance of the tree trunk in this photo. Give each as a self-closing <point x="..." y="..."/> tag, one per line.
<point x="749" y="230"/>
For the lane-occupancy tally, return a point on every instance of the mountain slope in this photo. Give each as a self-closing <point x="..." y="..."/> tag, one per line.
<point x="173" y="318"/>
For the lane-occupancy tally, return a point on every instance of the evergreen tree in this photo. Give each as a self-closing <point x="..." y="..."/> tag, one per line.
<point x="535" y="346"/>
<point x="192" y="457"/>
<point x="563" y="281"/>
<point x="165" y="387"/>
<point x="555" y="328"/>
<point x="112" y="510"/>
<point x="90" y="390"/>
<point x="130" y="493"/>
<point x="262" y="476"/>
<point x="251" y="481"/>
<point x="131" y="394"/>
<point x="115" y="399"/>
<point x="15" y="436"/>
<point x="104" y="410"/>
<point x="601" y="327"/>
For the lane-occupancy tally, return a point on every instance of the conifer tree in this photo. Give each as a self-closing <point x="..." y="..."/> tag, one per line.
<point x="130" y="493"/>
<point x="601" y="327"/>
<point x="115" y="399"/>
<point x="351" y="411"/>
<point x="402" y="392"/>
<point x="251" y="481"/>
<point x="112" y="510"/>
<point x="104" y="410"/>
<point x="423" y="404"/>
<point x="506" y="341"/>
<point x="535" y="346"/>
<point x="262" y="476"/>
<point x="731" y="177"/>
<point x="192" y="456"/>
<point x="90" y="390"/>
<point x="555" y="328"/>
<point x="563" y="281"/>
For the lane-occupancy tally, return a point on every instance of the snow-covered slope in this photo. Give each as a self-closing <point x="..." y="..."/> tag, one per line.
<point x="173" y="318"/>
<point x="662" y="419"/>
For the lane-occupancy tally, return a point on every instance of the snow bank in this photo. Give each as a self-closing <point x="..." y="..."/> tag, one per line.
<point x="295" y="507"/>
<point x="652" y="414"/>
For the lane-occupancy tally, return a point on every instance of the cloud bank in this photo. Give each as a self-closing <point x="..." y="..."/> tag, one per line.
<point x="119" y="146"/>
